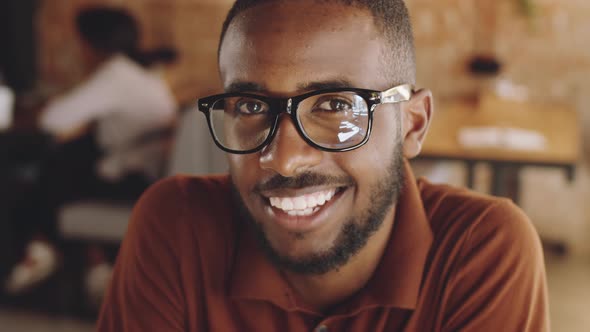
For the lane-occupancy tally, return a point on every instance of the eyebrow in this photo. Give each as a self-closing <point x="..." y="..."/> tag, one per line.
<point x="302" y="87"/>
<point x="332" y="84"/>
<point x="244" y="87"/>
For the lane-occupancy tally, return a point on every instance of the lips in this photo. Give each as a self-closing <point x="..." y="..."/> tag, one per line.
<point x="302" y="205"/>
<point x="304" y="209"/>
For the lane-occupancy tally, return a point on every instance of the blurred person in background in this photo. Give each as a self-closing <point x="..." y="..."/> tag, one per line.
<point x="106" y="130"/>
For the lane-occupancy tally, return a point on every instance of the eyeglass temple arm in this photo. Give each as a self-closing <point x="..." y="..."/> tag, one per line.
<point x="397" y="94"/>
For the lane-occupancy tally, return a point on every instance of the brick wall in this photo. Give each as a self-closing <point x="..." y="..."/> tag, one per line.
<point x="547" y="52"/>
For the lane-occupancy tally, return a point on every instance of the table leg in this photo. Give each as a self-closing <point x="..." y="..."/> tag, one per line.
<point x="505" y="181"/>
<point x="570" y="173"/>
<point x="470" y="175"/>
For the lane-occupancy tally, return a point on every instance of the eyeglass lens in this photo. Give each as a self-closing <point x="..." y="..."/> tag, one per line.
<point x="331" y="120"/>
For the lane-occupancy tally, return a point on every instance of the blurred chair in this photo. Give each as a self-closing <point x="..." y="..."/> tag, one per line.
<point x="106" y="222"/>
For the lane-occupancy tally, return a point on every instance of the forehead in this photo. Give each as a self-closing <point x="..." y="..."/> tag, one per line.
<point x="285" y="45"/>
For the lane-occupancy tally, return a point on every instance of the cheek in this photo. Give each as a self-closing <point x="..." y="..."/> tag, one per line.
<point x="243" y="170"/>
<point x="365" y="165"/>
<point x="382" y="143"/>
<point x="370" y="163"/>
<point x="387" y="121"/>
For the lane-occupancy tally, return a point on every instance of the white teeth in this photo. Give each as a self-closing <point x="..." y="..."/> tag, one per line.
<point x="330" y="195"/>
<point x="302" y="205"/>
<point x="321" y="199"/>
<point x="312" y="201"/>
<point x="286" y="204"/>
<point x="305" y="212"/>
<point x="300" y="213"/>
<point x="299" y="203"/>
<point x="275" y="201"/>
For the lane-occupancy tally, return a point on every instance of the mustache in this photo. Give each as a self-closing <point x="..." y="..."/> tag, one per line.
<point x="304" y="180"/>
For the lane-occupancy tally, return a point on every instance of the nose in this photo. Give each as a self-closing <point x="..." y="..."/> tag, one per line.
<point x="288" y="154"/>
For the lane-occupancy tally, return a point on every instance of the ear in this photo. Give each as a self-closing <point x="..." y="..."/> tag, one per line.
<point x="417" y="115"/>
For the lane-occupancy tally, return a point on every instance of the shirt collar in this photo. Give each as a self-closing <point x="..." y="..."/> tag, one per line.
<point x="395" y="283"/>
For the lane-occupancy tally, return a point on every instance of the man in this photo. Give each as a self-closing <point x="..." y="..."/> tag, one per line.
<point x="321" y="224"/>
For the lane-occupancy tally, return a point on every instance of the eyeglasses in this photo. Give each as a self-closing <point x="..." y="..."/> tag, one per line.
<point x="333" y="120"/>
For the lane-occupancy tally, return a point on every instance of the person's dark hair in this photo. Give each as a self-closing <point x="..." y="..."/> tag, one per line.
<point x="391" y="16"/>
<point x="114" y="30"/>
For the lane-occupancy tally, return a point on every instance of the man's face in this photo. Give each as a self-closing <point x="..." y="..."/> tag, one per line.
<point x="287" y="49"/>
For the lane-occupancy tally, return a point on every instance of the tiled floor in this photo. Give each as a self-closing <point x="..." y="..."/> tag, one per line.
<point x="11" y="321"/>
<point x="569" y="291"/>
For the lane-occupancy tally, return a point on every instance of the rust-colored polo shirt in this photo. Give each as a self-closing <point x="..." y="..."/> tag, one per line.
<point x="456" y="261"/>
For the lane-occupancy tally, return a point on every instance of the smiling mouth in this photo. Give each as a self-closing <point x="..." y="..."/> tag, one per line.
<point x="303" y="205"/>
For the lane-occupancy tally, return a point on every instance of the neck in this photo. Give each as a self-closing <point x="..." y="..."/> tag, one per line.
<point x="323" y="292"/>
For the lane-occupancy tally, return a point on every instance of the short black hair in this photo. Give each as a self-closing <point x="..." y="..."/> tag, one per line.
<point x="115" y="30"/>
<point x="109" y="30"/>
<point x="391" y="16"/>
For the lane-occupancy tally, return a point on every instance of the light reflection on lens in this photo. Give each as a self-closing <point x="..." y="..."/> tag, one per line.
<point x="334" y="129"/>
<point x="347" y="131"/>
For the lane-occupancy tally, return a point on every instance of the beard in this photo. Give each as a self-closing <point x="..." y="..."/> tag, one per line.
<point x="355" y="231"/>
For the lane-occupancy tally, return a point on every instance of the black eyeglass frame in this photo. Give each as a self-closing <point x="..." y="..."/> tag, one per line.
<point x="290" y="105"/>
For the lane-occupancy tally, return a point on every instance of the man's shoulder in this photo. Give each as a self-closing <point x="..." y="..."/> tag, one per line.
<point x="177" y="189"/>
<point x="186" y="198"/>
<point x="440" y="198"/>
<point x="464" y="215"/>
<point x="191" y="214"/>
<point x="486" y="260"/>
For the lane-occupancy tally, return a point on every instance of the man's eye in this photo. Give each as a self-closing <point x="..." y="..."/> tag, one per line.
<point x="250" y="107"/>
<point x="334" y="105"/>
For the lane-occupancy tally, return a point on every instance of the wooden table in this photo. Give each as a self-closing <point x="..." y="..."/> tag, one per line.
<point x="558" y="123"/>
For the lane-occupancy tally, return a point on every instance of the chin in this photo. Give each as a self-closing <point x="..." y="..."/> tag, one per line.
<point x="299" y="246"/>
